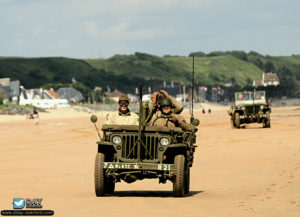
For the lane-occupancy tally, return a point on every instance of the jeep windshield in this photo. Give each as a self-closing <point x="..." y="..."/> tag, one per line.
<point x="250" y="97"/>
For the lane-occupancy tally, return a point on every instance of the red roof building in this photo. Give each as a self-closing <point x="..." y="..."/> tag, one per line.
<point x="52" y="94"/>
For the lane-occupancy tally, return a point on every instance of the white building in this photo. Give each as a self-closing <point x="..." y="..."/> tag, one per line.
<point x="41" y="98"/>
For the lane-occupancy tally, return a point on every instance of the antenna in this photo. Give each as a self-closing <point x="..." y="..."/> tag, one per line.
<point x="139" y="141"/>
<point x="193" y="73"/>
<point x="253" y="100"/>
<point x="141" y="105"/>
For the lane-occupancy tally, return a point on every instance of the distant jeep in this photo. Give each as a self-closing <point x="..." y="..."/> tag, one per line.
<point x="250" y="107"/>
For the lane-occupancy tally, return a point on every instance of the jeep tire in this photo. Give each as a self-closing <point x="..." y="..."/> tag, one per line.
<point x="99" y="175"/>
<point x="237" y="121"/>
<point x="267" y="122"/>
<point x="179" y="182"/>
<point x="232" y="124"/>
<point x="109" y="186"/>
<point x="187" y="180"/>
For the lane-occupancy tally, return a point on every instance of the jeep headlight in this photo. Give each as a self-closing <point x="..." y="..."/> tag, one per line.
<point x="164" y="141"/>
<point x="117" y="140"/>
<point x="261" y="107"/>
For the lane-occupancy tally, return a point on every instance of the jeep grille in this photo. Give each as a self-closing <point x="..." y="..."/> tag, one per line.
<point x="249" y="109"/>
<point x="130" y="152"/>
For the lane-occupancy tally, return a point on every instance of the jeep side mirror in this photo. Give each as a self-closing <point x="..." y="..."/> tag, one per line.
<point x="94" y="118"/>
<point x="195" y="122"/>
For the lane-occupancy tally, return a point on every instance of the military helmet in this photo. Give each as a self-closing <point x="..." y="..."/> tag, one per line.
<point x="165" y="102"/>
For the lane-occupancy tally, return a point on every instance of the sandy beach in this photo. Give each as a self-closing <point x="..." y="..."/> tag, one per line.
<point x="251" y="171"/>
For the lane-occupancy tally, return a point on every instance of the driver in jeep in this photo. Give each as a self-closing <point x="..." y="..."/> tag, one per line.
<point x="166" y="117"/>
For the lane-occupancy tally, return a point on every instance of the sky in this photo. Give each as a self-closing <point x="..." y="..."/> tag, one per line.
<point x="101" y="28"/>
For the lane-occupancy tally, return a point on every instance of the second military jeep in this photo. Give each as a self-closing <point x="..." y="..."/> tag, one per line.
<point x="130" y="153"/>
<point x="250" y="107"/>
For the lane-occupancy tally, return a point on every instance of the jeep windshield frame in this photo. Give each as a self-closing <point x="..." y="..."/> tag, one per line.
<point x="250" y="98"/>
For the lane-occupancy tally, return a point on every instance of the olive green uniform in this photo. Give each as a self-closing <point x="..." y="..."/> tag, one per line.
<point x="159" y="119"/>
<point x="177" y="108"/>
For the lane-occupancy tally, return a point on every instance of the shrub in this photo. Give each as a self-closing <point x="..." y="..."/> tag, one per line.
<point x="1" y="99"/>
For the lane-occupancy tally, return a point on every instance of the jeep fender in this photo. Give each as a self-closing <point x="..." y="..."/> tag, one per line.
<point x="106" y="148"/>
<point x="176" y="149"/>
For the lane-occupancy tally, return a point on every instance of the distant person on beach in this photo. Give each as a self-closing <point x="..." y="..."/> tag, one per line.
<point x="29" y="116"/>
<point x="36" y="116"/>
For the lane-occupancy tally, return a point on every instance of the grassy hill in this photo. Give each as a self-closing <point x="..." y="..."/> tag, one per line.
<point x="125" y="72"/>
<point x="208" y="70"/>
<point x="34" y="72"/>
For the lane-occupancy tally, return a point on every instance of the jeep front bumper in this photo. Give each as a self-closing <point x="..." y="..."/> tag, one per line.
<point x="138" y="166"/>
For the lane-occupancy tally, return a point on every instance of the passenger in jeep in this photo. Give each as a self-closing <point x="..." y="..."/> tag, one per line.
<point x="166" y="117"/>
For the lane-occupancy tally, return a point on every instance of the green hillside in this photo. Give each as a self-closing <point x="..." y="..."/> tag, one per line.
<point x="35" y="72"/>
<point x="221" y="69"/>
<point x="208" y="70"/>
<point x="125" y="72"/>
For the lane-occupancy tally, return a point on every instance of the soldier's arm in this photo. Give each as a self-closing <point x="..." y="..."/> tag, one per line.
<point x="183" y="124"/>
<point x="177" y="105"/>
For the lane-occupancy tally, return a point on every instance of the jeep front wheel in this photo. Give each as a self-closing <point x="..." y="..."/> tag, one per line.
<point x="179" y="182"/>
<point x="232" y="124"/>
<point x="109" y="186"/>
<point x="268" y="120"/>
<point x="187" y="181"/>
<point x="99" y="175"/>
<point x="237" y="122"/>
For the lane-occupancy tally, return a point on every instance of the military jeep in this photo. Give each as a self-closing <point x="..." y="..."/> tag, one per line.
<point x="130" y="153"/>
<point x="250" y="107"/>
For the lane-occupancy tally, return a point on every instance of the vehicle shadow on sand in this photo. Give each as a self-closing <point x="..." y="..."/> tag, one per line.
<point x="150" y="194"/>
<point x="245" y="127"/>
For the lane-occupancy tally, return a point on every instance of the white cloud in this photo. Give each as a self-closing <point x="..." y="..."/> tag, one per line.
<point x="121" y="7"/>
<point x="124" y="30"/>
<point x="38" y="30"/>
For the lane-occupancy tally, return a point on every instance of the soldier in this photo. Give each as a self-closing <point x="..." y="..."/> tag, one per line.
<point x="154" y="105"/>
<point x="240" y="96"/>
<point x="123" y="116"/>
<point x="166" y="117"/>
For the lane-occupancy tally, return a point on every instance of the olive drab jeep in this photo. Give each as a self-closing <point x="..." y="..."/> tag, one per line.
<point x="131" y="153"/>
<point x="250" y="107"/>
